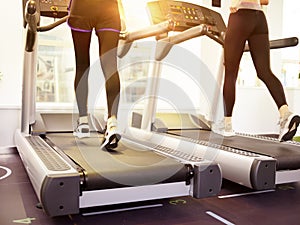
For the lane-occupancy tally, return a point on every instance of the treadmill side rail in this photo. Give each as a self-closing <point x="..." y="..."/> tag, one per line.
<point x="202" y="174"/>
<point x="56" y="184"/>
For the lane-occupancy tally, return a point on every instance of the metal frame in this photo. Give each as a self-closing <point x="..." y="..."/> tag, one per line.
<point x="252" y="170"/>
<point x="56" y="181"/>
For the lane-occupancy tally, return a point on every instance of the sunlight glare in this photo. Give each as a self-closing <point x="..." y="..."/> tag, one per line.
<point x="136" y="15"/>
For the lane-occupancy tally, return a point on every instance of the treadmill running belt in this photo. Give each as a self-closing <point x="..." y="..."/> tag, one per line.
<point x="287" y="155"/>
<point x="128" y="165"/>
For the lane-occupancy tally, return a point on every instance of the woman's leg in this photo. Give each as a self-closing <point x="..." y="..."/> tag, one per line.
<point x="240" y="25"/>
<point x="81" y="41"/>
<point x="233" y="50"/>
<point x="108" y="54"/>
<point x="108" y="43"/>
<point x="260" y="52"/>
<point x="235" y="39"/>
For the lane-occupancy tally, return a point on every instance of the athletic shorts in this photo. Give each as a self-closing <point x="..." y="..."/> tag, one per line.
<point x="101" y="15"/>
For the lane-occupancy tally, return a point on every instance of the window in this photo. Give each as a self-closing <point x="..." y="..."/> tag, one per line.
<point x="56" y="61"/>
<point x="55" y="65"/>
<point x="282" y="17"/>
<point x="291" y="56"/>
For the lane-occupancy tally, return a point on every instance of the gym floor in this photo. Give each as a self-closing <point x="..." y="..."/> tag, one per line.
<point x="234" y="205"/>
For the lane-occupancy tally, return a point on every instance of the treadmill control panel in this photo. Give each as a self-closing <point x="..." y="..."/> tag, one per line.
<point x="185" y="15"/>
<point x="54" y="8"/>
<point x="51" y="8"/>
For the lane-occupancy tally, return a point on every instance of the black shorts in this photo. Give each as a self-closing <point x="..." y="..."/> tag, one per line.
<point x="101" y="15"/>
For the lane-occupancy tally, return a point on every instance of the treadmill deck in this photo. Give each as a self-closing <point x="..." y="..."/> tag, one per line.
<point x="127" y="165"/>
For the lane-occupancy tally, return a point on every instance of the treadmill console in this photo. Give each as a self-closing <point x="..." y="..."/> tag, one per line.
<point x="51" y="8"/>
<point x="185" y="15"/>
<point x="54" y="8"/>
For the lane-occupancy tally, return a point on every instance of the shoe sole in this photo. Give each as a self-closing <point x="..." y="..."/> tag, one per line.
<point x="225" y="134"/>
<point x="112" y="142"/>
<point x="290" y="133"/>
<point x="81" y="134"/>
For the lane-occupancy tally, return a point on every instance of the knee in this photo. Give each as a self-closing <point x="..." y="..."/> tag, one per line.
<point x="265" y="74"/>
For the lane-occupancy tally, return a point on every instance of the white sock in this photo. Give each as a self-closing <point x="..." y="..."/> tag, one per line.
<point x="283" y="110"/>
<point x="83" y="119"/>
<point x="227" y="120"/>
<point x="113" y="117"/>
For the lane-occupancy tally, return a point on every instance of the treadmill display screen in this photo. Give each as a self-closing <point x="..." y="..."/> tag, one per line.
<point x="54" y="8"/>
<point x="185" y="15"/>
<point x="51" y="8"/>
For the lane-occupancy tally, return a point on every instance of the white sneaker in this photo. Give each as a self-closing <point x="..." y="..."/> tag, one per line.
<point x="223" y="129"/>
<point x="82" y="130"/>
<point x="288" y="126"/>
<point x="111" y="136"/>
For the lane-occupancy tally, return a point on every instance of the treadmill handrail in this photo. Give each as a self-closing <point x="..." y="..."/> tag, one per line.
<point x="280" y="43"/>
<point x="32" y="19"/>
<point x="149" y="31"/>
<point x="32" y="16"/>
<point x="127" y="38"/>
<point x="52" y="25"/>
<point x="164" y="45"/>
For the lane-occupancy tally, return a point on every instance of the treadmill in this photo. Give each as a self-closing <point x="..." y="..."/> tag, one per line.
<point x="69" y="174"/>
<point x="255" y="161"/>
